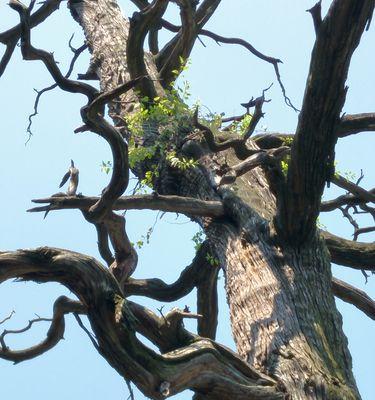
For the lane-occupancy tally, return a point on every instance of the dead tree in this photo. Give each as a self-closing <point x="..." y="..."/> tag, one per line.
<point x="259" y="217"/>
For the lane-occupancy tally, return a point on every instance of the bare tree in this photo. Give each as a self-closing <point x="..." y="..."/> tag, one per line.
<point x="257" y="198"/>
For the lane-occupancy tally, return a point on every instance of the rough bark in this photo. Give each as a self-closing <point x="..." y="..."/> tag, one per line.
<point x="287" y="329"/>
<point x="284" y="319"/>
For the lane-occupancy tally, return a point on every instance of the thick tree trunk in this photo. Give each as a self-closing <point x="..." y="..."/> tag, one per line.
<point x="283" y="314"/>
<point x="282" y="310"/>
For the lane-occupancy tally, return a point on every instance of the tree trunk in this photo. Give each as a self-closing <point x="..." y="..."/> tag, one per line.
<point x="283" y="315"/>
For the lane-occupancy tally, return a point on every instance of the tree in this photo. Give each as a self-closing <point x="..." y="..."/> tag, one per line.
<point x="256" y="197"/>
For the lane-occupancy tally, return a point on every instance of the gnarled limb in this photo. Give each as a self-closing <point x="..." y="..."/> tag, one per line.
<point x="62" y="306"/>
<point x="180" y="47"/>
<point x="355" y="296"/>
<point x="47" y="8"/>
<point x="31" y="53"/>
<point x="177" y="204"/>
<point x="353" y="188"/>
<point x="140" y="24"/>
<point x="76" y="53"/>
<point x="344" y="200"/>
<point x="260" y="158"/>
<point x="103" y="244"/>
<point x="273" y="140"/>
<point x="94" y="119"/>
<point x="166" y="332"/>
<point x="351" y="124"/>
<point x="349" y="253"/>
<point x="203" y="366"/>
<point x="159" y="290"/>
<point x="238" y="144"/>
<point x="312" y="154"/>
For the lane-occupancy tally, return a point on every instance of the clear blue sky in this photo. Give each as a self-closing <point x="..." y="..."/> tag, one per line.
<point x="221" y="77"/>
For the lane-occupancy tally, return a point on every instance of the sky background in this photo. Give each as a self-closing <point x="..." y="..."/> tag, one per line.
<point x="221" y="77"/>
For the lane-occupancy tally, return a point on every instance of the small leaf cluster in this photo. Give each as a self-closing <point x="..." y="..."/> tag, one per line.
<point x="181" y="163"/>
<point x="106" y="166"/>
<point x="198" y="239"/>
<point x="284" y="164"/>
<point x="213" y="261"/>
<point x="145" y="239"/>
<point x="240" y="127"/>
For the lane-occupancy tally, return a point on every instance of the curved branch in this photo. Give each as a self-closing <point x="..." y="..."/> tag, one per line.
<point x="349" y="253"/>
<point x="179" y="48"/>
<point x="31" y="53"/>
<point x="94" y="119"/>
<point x="140" y="24"/>
<point x="260" y="158"/>
<point x="344" y="200"/>
<point x="166" y="332"/>
<point x="312" y="155"/>
<point x="48" y="7"/>
<point x="159" y="290"/>
<point x="77" y="53"/>
<point x="203" y="366"/>
<point x="355" y="296"/>
<point x="62" y="306"/>
<point x="177" y="204"/>
<point x="238" y="144"/>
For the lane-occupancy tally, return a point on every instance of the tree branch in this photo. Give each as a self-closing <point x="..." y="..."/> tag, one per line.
<point x="31" y="53"/>
<point x="261" y="158"/>
<point x="316" y="13"/>
<point x="10" y="46"/>
<point x="207" y="300"/>
<point x="48" y="7"/>
<point x="312" y="155"/>
<point x="354" y="123"/>
<point x="140" y="24"/>
<point x="349" y="253"/>
<point x="344" y="200"/>
<point x="55" y="333"/>
<point x="352" y="295"/>
<point x="179" y="48"/>
<point x="77" y="53"/>
<point x="159" y="290"/>
<point x="203" y="366"/>
<point x="238" y="144"/>
<point x="353" y="188"/>
<point x="205" y="11"/>
<point x="178" y="204"/>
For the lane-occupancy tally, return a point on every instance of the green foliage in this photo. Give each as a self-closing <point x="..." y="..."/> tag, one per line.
<point x="106" y="166"/>
<point x="213" y="261"/>
<point x="149" y="177"/>
<point x="284" y="164"/>
<point x="138" y="154"/>
<point x="240" y="127"/>
<point x="349" y="175"/>
<point x="181" y="163"/>
<point x="145" y="239"/>
<point x="198" y="239"/>
<point x="287" y="141"/>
